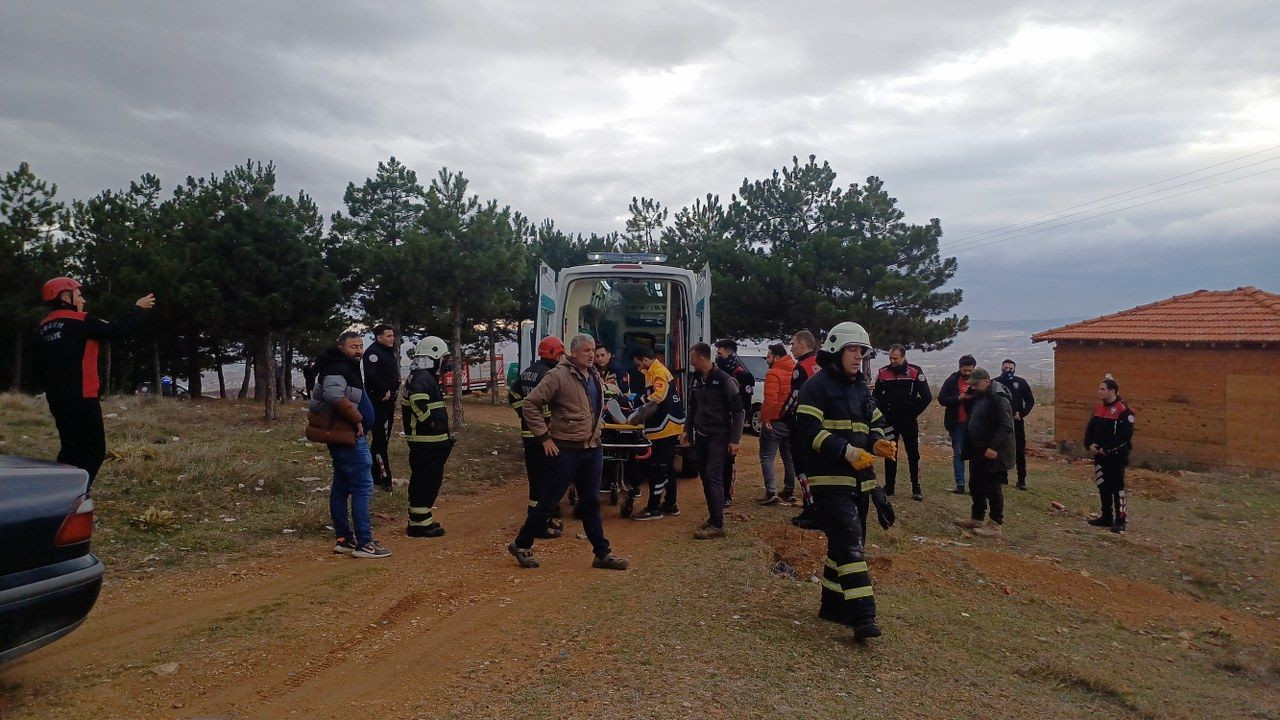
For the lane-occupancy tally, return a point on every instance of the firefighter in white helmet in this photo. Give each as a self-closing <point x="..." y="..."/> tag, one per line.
<point x="426" y="430"/>
<point x="842" y="432"/>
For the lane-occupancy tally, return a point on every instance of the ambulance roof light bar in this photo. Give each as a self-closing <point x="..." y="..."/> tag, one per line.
<point x="622" y="257"/>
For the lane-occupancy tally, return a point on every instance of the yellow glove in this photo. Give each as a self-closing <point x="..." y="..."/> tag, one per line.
<point x="886" y="449"/>
<point x="860" y="459"/>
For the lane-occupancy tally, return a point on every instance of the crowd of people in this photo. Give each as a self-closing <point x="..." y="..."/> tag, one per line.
<point x="821" y="412"/>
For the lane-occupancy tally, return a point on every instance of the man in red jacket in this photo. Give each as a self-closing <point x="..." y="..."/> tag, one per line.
<point x="67" y="353"/>
<point x="775" y="434"/>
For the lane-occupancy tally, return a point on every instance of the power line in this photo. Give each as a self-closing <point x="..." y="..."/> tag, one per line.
<point x="1112" y="212"/>
<point x="958" y="244"/>
<point x="1115" y="195"/>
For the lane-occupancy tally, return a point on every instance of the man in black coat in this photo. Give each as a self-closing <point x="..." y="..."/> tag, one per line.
<point x="989" y="447"/>
<point x="382" y="382"/>
<point x="1023" y="401"/>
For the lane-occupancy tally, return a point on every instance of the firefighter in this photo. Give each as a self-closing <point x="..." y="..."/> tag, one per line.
<point x="803" y="347"/>
<point x="426" y="431"/>
<point x="1023" y="401"/>
<point x="382" y="380"/>
<point x="1109" y="437"/>
<point x="902" y="394"/>
<point x="843" y="432"/>
<point x="662" y="412"/>
<point x="68" y="342"/>
<point x="727" y="360"/>
<point x="550" y="349"/>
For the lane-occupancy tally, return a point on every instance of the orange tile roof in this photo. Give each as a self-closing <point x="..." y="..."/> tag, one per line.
<point x="1243" y="315"/>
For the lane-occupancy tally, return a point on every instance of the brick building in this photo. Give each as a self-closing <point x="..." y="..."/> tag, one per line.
<point x="1202" y="372"/>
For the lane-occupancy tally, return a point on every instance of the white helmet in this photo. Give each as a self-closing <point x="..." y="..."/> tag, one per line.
<point x="430" y="347"/>
<point x="843" y="335"/>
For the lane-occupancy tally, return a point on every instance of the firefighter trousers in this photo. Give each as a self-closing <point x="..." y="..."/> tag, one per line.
<point x="847" y="597"/>
<point x="426" y="465"/>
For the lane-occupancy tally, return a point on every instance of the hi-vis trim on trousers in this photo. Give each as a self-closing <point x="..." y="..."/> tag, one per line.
<point x="843" y="481"/>
<point x="420" y="516"/>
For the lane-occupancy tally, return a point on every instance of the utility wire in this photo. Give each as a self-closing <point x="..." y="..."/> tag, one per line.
<point x="1112" y="212"/>
<point x="1115" y="195"/>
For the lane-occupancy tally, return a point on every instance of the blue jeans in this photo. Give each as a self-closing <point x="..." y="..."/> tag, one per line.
<point x="353" y="479"/>
<point x="772" y="441"/>
<point x="957" y="452"/>
<point x="580" y="468"/>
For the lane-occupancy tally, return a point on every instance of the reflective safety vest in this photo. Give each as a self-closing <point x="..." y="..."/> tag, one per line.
<point x="669" y="419"/>
<point x="832" y="414"/>
<point x="422" y="409"/>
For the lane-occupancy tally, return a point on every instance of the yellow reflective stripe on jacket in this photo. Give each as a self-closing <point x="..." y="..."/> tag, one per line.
<point x="820" y="438"/>
<point x="437" y="405"/>
<point x="851" y="593"/>
<point x="847" y="568"/>
<point x="845" y="425"/>
<point x="876" y="414"/>
<point x="426" y="438"/>
<point x="811" y="410"/>
<point x="526" y="434"/>
<point x="518" y="404"/>
<point x="843" y="480"/>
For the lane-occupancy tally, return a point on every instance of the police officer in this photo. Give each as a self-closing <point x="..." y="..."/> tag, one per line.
<point x="68" y="342"/>
<point x="1109" y="438"/>
<point x="1023" y="401"/>
<point x="902" y="393"/>
<point x="843" y="432"/>
<point x="727" y="360"/>
<point x="550" y="349"/>
<point x="382" y="381"/>
<point x="426" y="431"/>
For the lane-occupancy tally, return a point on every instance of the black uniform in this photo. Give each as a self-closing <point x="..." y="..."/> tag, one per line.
<point x="806" y="366"/>
<point x="902" y="393"/>
<point x="535" y="459"/>
<point x="1022" y="401"/>
<point x="67" y="362"/>
<point x="834" y="413"/>
<point x="715" y="423"/>
<point x="1111" y="429"/>
<point x="746" y="387"/>
<point x="381" y="376"/>
<point x="426" y="431"/>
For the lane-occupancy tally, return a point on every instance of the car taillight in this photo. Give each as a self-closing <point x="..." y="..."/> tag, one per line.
<point x="78" y="526"/>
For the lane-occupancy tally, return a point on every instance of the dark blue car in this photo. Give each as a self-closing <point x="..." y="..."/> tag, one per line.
<point x="48" y="578"/>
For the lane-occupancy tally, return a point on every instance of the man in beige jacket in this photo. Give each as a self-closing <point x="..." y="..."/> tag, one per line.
<point x="570" y="437"/>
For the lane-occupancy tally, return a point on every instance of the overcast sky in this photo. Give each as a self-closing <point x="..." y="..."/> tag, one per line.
<point x="982" y="114"/>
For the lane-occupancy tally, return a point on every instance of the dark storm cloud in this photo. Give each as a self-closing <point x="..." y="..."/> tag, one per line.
<point x="981" y="114"/>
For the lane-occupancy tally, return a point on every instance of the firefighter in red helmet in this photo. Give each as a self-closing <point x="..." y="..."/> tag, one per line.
<point x="535" y="459"/>
<point x="68" y="341"/>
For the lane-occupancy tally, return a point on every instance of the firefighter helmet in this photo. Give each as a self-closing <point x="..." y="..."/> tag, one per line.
<point x="430" y="347"/>
<point x="843" y="335"/>
<point x="551" y="348"/>
<point x="55" y="287"/>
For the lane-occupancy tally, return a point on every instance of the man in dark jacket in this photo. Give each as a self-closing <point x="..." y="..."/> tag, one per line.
<point x="804" y="348"/>
<point x="68" y="341"/>
<point x="1023" y="401"/>
<point x="714" y="429"/>
<point x="1109" y="437"/>
<point x="727" y="360"/>
<point x="954" y="395"/>
<point x="902" y="393"/>
<point x="426" y="432"/>
<point x="382" y="381"/>
<point x="550" y="349"/>
<point x="340" y="393"/>
<point x="989" y="438"/>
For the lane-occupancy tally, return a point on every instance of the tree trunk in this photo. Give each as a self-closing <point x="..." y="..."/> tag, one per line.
<point x="286" y="356"/>
<point x="17" y="361"/>
<point x="155" y="360"/>
<point x="459" y="363"/>
<point x="249" y="363"/>
<point x="269" y="369"/>
<point x="259" y="371"/>
<point x="222" y="379"/>
<point x="493" y="365"/>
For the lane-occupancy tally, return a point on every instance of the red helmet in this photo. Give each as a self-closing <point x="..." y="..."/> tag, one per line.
<point x="551" y="348"/>
<point x="56" y="286"/>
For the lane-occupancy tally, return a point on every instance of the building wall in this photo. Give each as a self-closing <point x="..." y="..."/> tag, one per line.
<point x="1200" y="407"/>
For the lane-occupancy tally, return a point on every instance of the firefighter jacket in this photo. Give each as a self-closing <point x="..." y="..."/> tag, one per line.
<point x="423" y="409"/>
<point x="1111" y="428"/>
<point x="522" y="386"/>
<point x="834" y="413"/>
<point x="902" y="392"/>
<point x="806" y="366"/>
